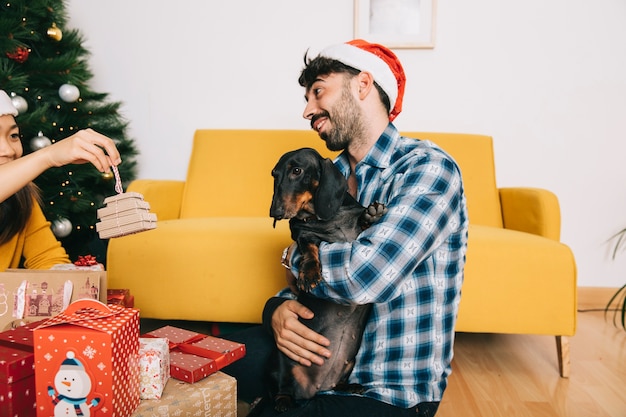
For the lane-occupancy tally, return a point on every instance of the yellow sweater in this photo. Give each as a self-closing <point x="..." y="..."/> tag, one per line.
<point x="36" y="243"/>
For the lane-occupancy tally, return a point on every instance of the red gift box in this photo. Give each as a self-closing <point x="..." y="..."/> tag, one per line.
<point x="86" y="361"/>
<point x="120" y="297"/>
<point x="17" y="394"/>
<point x="20" y="337"/>
<point x="194" y="356"/>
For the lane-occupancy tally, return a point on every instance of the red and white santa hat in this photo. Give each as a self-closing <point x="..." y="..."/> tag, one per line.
<point x="379" y="61"/>
<point x="6" y="105"/>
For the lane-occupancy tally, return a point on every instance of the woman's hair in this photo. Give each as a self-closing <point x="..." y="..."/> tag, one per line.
<point x="321" y="65"/>
<point x="16" y="210"/>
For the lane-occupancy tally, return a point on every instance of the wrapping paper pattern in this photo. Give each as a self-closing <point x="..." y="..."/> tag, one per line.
<point x="215" y="396"/>
<point x="97" y="347"/>
<point x="154" y="367"/>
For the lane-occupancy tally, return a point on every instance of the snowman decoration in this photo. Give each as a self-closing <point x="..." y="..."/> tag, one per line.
<point x="71" y="386"/>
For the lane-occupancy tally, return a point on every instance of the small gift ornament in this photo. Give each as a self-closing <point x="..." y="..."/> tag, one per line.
<point x="124" y="214"/>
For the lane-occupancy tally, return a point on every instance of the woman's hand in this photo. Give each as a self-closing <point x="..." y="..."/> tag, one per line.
<point x="83" y="146"/>
<point x="294" y="339"/>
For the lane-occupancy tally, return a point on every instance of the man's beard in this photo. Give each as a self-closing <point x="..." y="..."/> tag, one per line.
<point x="347" y="122"/>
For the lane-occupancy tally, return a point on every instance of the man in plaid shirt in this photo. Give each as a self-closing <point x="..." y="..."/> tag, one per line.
<point x="409" y="264"/>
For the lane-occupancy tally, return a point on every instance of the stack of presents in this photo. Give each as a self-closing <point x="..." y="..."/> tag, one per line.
<point x="69" y="347"/>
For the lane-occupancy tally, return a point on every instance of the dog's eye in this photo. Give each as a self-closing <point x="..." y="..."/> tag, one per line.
<point x="296" y="171"/>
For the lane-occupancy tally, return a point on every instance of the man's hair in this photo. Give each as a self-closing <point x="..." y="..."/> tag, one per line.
<point x="320" y="65"/>
<point x="16" y="210"/>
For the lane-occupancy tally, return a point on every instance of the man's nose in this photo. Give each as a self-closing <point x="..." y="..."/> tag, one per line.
<point x="309" y="110"/>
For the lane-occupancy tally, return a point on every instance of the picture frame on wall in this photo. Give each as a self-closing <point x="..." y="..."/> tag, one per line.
<point x="399" y="24"/>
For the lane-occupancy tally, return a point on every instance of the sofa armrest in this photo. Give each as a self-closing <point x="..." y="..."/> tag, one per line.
<point x="531" y="210"/>
<point x="165" y="196"/>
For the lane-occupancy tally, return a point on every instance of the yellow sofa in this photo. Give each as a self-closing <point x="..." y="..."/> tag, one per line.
<point x="214" y="255"/>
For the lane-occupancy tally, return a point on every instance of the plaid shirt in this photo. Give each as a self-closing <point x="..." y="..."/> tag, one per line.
<point x="409" y="264"/>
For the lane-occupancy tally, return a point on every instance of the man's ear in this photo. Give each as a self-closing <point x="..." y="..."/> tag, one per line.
<point x="365" y="82"/>
<point x="330" y="191"/>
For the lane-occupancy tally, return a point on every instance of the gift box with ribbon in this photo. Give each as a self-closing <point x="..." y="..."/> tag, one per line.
<point x="17" y="390"/>
<point x="194" y="356"/>
<point x="86" y="361"/>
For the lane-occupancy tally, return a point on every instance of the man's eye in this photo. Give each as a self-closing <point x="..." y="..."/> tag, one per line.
<point x="317" y="91"/>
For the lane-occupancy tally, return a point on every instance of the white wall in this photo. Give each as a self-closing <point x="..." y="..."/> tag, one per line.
<point x="546" y="79"/>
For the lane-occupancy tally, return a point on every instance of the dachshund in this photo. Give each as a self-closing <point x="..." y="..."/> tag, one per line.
<point x="312" y="193"/>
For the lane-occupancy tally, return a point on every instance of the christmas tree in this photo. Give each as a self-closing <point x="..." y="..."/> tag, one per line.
<point x="43" y="66"/>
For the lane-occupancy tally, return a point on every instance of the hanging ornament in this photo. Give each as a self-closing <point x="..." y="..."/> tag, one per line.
<point x="69" y="93"/>
<point x="20" y="55"/>
<point x="19" y="103"/>
<point x="39" y="142"/>
<point x="54" y="32"/>
<point x="61" y="227"/>
<point x="107" y="176"/>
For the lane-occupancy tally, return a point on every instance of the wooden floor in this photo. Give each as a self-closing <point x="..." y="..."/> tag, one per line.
<point x="518" y="375"/>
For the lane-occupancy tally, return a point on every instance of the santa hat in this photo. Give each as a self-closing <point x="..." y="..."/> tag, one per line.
<point x="6" y="105"/>
<point x="71" y="362"/>
<point x="379" y="61"/>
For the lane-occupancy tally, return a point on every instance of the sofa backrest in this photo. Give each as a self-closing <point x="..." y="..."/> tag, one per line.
<point x="229" y="173"/>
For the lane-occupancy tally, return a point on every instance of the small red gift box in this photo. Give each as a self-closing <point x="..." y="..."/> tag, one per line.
<point x="17" y="394"/>
<point x="120" y="297"/>
<point x="86" y="360"/>
<point x="20" y="337"/>
<point x="194" y="356"/>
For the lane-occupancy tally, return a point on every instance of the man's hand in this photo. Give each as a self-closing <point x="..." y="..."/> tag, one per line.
<point x="294" y="339"/>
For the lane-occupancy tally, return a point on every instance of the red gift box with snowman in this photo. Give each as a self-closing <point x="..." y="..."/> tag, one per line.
<point x="86" y="361"/>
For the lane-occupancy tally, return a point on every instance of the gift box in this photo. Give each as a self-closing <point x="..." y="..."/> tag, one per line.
<point x="32" y="295"/>
<point x="86" y="361"/>
<point x="20" y="337"/>
<point x="124" y="214"/>
<point x="215" y="396"/>
<point x="120" y="297"/>
<point x="194" y="356"/>
<point x="154" y="367"/>
<point x="17" y="390"/>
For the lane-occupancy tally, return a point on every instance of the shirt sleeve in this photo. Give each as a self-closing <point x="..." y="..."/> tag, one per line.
<point x="424" y="203"/>
<point x="41" y="248"/>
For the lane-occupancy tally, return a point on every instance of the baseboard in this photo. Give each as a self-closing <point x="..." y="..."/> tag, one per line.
<point x="590" y="298"/>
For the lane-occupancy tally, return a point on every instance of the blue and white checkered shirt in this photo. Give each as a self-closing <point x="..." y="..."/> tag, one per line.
<point x="409" y="264"/>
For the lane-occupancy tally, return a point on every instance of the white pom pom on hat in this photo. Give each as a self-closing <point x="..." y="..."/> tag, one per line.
<point x="379" y="61"/>
<point x="6" y="105"/>
<point x="70" y="363"/>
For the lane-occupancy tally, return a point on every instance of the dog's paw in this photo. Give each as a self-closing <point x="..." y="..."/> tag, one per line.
<point x="373" y="213"/>
<point x="283" y="403"/>
<point x="309" y="277"/>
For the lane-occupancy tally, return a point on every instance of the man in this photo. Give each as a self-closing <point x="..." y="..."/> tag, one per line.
<point x="409" y="264"/>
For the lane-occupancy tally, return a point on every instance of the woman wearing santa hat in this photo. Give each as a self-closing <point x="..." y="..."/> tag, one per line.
<point x="24" y="231"/>
<point x="408" y="264"/>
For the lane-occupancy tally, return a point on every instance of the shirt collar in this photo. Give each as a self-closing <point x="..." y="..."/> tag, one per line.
<point x="380" y="154"/>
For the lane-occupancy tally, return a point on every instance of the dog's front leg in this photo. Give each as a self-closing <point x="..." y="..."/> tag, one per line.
<point x="310" y="273"/>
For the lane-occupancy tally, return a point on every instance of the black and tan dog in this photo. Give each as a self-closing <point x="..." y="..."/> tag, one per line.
<point x="313" y="194"/>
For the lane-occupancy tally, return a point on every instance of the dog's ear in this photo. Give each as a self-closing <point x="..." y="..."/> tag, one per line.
<point x="330" y="191"/>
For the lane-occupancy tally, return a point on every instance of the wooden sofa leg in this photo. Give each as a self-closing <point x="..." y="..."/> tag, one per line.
<point x="562" y="350"/>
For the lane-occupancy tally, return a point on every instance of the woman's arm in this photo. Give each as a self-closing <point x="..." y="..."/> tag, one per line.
<point x="82" y="147"/>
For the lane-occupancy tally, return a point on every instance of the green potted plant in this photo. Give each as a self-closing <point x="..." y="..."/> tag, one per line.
<point x="617" y="303"/>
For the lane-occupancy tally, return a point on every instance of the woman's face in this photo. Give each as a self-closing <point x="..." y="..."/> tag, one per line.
<point x="10" y="144"/>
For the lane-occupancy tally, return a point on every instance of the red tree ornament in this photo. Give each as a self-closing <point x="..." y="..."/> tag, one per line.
<point x="20" y="54"/>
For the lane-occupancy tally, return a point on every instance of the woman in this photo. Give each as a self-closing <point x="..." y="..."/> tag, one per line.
<point x="24" y="231"/>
